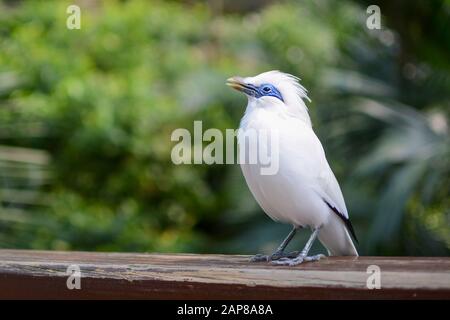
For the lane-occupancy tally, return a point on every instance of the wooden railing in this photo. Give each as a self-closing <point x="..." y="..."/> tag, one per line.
<point x="50" y="274"/>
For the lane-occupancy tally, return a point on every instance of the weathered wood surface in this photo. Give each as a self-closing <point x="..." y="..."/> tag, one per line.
<point x="42" y="274"/>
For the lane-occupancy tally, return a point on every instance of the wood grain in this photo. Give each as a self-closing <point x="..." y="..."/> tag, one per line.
<point x="42" y="274"/>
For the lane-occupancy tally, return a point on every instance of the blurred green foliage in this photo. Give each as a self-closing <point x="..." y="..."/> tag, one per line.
<point x="86" y="118"/>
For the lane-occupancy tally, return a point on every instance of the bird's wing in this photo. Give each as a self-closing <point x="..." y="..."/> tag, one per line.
<point x="306" y="157"/>
<point x="331" y="191"/>
<point x="310" y="156"/>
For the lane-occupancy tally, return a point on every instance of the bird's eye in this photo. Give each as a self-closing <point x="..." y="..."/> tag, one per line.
<point x="266" y="89"/>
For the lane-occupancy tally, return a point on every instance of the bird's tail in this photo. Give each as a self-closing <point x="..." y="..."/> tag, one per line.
<point x="336" y="238"/>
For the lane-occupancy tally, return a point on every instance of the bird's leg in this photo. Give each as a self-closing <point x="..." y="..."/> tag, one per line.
<point x="302" y="256"/>
<point x="279" y="253"/>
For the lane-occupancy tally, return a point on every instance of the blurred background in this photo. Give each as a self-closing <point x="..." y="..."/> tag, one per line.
<point x="86" y="118"/>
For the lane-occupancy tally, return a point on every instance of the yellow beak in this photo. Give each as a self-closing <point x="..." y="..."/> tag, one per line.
<point x="236" y="83"/>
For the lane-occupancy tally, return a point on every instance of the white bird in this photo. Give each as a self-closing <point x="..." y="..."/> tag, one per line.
<point x="304" y="191"/>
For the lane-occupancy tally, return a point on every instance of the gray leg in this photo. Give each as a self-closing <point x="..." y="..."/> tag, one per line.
<point x="279" y="253"/>
<point x="303" y="256"/>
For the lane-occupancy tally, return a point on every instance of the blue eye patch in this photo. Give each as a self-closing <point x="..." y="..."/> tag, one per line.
<point x="263" y="90"/>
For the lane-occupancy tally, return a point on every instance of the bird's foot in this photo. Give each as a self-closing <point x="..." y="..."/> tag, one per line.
<point x="297" y="260"/>
<point x="273" y="257"/>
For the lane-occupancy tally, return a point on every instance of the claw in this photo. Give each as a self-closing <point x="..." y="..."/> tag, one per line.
<point x="259" y="258"/>
<point x="285" y="259"/>
<point x="276" y="256"/>
<point x="297" y="260"/>
<point x="289" y="262"/>
<point x="315" y="258"/>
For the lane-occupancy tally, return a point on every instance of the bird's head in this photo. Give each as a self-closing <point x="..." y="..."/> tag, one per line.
<point x="273" y="89"/>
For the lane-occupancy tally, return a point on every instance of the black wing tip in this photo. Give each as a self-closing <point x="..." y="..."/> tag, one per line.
<point x="349" y="225"/>
<point x="346" y="221"/>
